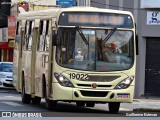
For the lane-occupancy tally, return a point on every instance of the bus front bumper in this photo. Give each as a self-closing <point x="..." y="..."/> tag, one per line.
<point x="61" y="93"/>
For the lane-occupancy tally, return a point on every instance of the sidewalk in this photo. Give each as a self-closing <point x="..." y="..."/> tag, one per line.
<point x="146" y="105"/>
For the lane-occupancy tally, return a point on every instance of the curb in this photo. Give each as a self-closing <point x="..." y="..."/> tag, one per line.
<point x="147" y="109"/>
<point x="136" y="100"/>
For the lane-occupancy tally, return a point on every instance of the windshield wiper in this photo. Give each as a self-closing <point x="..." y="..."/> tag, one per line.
<point x="82" y="35"/>
<point x="109" y="35"/>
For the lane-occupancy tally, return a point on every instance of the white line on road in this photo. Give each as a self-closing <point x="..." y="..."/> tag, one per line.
<point x="12" y="104"/>
<point x="12" y="96"/>
<point x="124" y="109"/>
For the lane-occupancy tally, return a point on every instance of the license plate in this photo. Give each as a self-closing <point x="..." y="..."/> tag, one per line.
<point x="123" y="96"/>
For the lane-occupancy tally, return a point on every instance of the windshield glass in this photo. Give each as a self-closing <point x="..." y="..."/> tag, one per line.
<point x="95" y="49"/>
<point x="6" y="67"/>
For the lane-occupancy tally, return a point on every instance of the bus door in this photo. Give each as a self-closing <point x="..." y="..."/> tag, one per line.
<point x="27" y="55"/>
<point x="17" y="60"/>
<point x="42" y="58"/>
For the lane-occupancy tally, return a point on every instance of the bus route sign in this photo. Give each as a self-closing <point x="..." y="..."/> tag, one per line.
<point x="65" y="2"/>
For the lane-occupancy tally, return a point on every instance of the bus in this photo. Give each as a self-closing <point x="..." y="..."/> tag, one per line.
<point x="84" y="55"/>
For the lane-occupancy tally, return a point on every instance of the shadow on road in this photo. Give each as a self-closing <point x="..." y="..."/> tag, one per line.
<point x="8" y="90"/>
<point x="71" y="110"/>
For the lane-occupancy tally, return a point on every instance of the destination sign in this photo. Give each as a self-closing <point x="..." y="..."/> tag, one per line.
<point x="114" y="20"/>
<point x="96" y="20"/>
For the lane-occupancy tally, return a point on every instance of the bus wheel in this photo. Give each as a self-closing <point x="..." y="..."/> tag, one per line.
<point x="25" y="97"/>
<point x="114" y="107"/>
<point x="50" y="104"/>
<point x="90" y="104"/>
<point x="80" y="103"/>
<point x="36" y="100"/>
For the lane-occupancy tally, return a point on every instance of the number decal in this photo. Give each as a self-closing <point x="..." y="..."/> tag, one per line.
<point x="82" y="76"/>
<point x="86" y="77"/>
<point x="78" y="76"/>
<point x="73" y="75"/>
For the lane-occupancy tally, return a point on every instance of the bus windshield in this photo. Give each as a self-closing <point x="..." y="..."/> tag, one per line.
<point x="99" y="50"/>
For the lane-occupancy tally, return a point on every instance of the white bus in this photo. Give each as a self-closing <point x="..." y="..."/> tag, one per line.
<point x="79" y="54"/>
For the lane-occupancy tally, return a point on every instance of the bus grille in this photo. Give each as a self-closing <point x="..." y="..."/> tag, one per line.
<point x="9" y="76"/>
<point x="94" y="93"/>
<point x="100" y="78"/>
<point x="89" y="85"/>
<point x="7" y="85"/>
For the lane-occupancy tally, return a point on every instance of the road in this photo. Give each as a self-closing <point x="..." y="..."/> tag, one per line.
<point x="10" y="101"/>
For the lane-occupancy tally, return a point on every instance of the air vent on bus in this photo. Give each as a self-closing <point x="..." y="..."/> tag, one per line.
<point x="89" y="85"/>
<point x="100" y="78"/>
<point x="93" y="93"/>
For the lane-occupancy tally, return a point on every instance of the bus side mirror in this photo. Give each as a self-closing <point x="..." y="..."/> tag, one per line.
<point x="137" y="51"/>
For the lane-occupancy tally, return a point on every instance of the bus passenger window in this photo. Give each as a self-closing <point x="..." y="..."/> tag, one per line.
<point x="41" y="37"/>
<point x="17" y="38"/>
<point x="45" y="28"/>
<point x="25" y="42"/>
<point x="47" y="36"/>
<point x="31" y="26"/>
<point x="17" y="29"/>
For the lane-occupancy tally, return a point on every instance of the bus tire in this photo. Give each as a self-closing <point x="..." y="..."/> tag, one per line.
<point x="90" y="104"/>
<point x="25" y="97"/>
<point x="114" y="107"/>
<point x="80" y="103"/>
<point x="50" y="104"/>
<point x="36" y="100"/>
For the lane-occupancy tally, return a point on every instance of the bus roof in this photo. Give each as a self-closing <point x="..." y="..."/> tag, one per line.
<point x="50" y="13"/>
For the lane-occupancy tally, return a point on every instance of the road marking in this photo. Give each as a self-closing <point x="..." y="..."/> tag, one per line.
<point x="12" y="104"/>
<point x="12" y="96"/>
<point x="4" y="91"/>
<point x="124" y="109"/>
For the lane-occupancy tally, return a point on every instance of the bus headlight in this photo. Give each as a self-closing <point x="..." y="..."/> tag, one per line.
<point x="63" y="80"/>
<point x="125" y="83"/>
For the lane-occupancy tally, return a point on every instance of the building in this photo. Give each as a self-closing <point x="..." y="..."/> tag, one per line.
<point x="148" y="69"/>
<point x="6" y="43"/>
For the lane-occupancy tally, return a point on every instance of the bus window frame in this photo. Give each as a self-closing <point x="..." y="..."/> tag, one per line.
<point x="44" y="31"/>
<point x="27" y="35"/>
<point x="18" y="34"/>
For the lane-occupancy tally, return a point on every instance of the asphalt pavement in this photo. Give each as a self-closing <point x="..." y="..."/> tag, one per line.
<point x="147" y="105"/>
<point x="141" y="105"/>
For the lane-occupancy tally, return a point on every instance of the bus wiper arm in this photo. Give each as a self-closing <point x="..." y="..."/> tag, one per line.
<point x="109" y="35"/>
<point x="82" y="35"/>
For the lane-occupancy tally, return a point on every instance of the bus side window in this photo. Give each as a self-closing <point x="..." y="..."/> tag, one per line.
<point x="31" y="27"/>
<point x="41" y="36"/>
<point x="47" y="35"/>
<point x="17" y="39"/>
<point x="17" y="29"/>
<point x="25" y="42"/>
